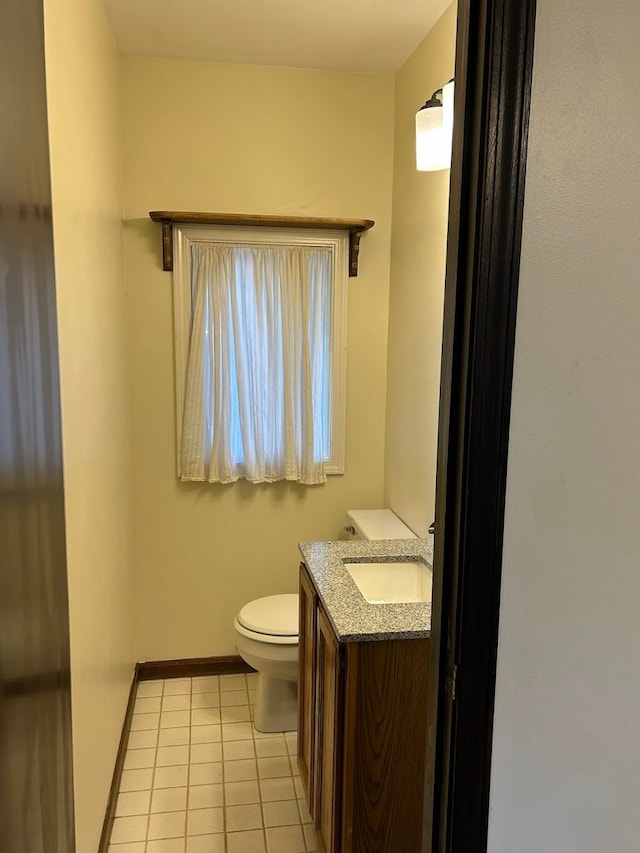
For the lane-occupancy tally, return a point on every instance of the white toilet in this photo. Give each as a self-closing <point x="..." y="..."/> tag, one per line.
<point x="267" y="639"/>
<point x="267" y="631"/>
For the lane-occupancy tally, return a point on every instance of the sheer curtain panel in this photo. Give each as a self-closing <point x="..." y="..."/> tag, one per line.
<point x="258" y="382"/>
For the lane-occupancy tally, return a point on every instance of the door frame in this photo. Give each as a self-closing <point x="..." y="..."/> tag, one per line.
<point x="494" y="62"/>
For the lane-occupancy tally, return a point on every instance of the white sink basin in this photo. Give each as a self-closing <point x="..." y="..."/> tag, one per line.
<point x="392" y="583"/>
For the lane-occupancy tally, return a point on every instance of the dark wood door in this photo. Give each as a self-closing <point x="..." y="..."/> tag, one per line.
<point x="306" y="682"/>
<point x="494" y="60"/>
<point x="329" y="736"/>
<point x="36" y="795"/>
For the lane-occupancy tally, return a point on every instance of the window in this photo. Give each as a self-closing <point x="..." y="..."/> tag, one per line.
<point x="260" y="323"/>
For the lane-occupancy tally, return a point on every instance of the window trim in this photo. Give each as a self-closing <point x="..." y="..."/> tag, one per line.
<point x="338" y="241"/>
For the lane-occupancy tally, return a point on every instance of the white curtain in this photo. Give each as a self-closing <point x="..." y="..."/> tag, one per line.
<point x="258" y="380"/>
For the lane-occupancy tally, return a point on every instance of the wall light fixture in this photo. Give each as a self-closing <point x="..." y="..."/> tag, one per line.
<point x="434" y="131"/>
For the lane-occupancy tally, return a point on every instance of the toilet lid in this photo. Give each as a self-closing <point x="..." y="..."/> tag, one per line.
<point x="276" y="615"/>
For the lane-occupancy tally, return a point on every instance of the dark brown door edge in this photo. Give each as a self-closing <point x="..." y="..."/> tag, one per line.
<point x="36" y="757"/>
<point x="494" y="60"/>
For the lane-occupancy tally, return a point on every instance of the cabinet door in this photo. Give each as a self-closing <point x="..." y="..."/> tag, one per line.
<point x="329" y="736"/>
<point x="306" y="681"/>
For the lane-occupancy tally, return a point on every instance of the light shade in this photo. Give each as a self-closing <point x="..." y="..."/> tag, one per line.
<point x="433" y="145"/>
<point x="434" y="131"/>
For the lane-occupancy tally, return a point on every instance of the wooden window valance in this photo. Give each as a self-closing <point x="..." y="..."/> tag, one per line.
<point x="169" y="218"/>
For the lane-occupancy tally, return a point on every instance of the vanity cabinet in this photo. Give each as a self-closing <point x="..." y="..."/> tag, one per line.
<point x="362" y="734"/>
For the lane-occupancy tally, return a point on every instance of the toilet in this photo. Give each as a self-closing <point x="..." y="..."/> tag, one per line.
<point x="267" y="631"/>
<point x="267" y="639"/>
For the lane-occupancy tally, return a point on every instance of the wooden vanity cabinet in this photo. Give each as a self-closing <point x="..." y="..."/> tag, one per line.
<point x="362" y="735"/>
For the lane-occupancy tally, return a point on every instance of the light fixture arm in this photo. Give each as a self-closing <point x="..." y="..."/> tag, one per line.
<point x="434" y="101"/>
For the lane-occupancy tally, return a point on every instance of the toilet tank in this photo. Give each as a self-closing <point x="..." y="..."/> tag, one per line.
<point x="376" y="524"/>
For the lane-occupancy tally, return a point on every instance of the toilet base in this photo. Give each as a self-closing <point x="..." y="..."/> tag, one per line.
<point x="276" y="708"/>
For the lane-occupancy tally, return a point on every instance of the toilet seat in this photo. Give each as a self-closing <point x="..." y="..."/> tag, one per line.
<point x="273" y="619"/>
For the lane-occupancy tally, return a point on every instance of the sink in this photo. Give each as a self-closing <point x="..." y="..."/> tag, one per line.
<point x="392" y="582"/>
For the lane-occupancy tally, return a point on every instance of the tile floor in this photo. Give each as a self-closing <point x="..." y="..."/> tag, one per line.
<point x="199" y="778"/>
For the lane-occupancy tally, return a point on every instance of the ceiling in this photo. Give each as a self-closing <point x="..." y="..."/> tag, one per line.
<point x="374" y="36"/>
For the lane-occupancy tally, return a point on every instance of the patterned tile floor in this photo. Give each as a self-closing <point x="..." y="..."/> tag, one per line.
<point x="199" y="778"/>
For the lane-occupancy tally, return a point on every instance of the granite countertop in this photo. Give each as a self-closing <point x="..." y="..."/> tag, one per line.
<point x="353" y="618"/>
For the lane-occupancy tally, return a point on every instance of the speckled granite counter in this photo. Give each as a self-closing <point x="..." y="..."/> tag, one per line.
<point x="353" y="618"/>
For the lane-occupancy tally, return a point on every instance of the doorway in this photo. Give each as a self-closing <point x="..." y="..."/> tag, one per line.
<point x="493" y="69"/>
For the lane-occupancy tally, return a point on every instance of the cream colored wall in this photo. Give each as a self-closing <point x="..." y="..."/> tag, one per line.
<point x="245" y="139"/>
<point x="83" y="89"/>
<point x="566" y="750"/>
<point x="418" y="254"/>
